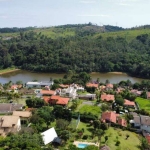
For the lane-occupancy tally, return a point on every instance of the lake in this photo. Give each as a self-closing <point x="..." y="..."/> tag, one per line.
<point x="26" y="76"/>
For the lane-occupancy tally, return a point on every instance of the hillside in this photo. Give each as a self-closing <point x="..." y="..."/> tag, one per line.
<point x="83" y="47"/>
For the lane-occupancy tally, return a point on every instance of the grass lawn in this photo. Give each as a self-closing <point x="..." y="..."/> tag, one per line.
<point x="130" y="144"/>
<point x="143" y="103"/>
<point x="95" y="110"/>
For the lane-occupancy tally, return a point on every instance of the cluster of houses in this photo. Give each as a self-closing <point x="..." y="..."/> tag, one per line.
<point x="15" y="115"/>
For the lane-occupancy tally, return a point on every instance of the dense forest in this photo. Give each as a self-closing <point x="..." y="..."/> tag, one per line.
<point x="85" y="50"/>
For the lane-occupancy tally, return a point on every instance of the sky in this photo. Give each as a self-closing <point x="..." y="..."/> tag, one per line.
<point x="43" y="13"/>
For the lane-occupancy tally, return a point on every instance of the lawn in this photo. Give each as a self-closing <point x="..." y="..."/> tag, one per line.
<point x="131" y="143"/>
<point x="95" y="110"/>
<point x="143" y="103"/>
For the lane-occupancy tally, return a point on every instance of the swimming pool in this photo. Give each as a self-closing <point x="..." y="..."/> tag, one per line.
<point x="81" y="145"/>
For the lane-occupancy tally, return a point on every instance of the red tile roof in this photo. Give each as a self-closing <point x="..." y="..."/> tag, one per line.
<point x="129" y="103"/>
<point x="122" y="122"/>
<point x="63" y="85"/>
<point x="148" y="138"/>
<point x="46" y="99"/>
<point x="108" y="97"/>
<point x="59" y="100"/>
<point x="47" y="92"/>
<point x="109" y="85"/>
<point x="92" y="85"/>
<point x="110" y="116"/>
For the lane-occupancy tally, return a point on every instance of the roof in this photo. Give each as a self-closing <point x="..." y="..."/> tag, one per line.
<point x="47" y="92"/>
<point x="9" y="107"/>
<point x="63" y="85"/>
<point x="107" y="97"/>
<point x="148" y="138"/>
<point x="59" y="100"/>
<point x="110" y="116"/>
<point x="105" y="147"/>
<point x="137" y="119"/>
<point x="92" y="85"/>
<point x="8" y="121"/>
<point x="122" y="122"/>
<point x="109" y="85"/>
<point x="46" y="99"/>
<point x="49" y="135"/>
<point x="129" y="103"/>
<point x="33" y="83"/>
<point x="25" y="114"/>
<point x="145" y="120"/>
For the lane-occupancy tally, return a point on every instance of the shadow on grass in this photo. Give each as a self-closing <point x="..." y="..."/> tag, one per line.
<point x="90" y="129"/>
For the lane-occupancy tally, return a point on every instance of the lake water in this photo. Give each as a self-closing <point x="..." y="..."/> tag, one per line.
<point x="26" y="76"/>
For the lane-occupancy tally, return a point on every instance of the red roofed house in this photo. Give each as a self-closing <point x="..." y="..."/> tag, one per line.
<point x="113" y="117"/>
<point x="105" y="97"/>
<point x="109" y="86"/>
<point x="55" y="99"/>
<point x="129" y="103"/>
<point x="109" y="116"/>
<point x="92" y="85"/>
<point x="122" y="122"/>
<point x="47" y="92"/>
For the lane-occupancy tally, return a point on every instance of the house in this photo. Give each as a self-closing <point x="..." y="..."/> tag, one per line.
<point x="95" y="85"/>
<point x="129" y="103"/>
<point x="71" y="91"/>
<point x="148" y="95"/>
<point x="122" y="122"/>
<point x="109" y="116"/>
<point x="6" y="108"/>
<point x="63" y="85"/>
<point x="87" y="96"/>
<point x="104" y="147"/>
<point x="46" y="93"/>
<point x="24" y="115"/>
<point x="49" y="136"/>
<point x="9" y="124"/>
<point x="107" y="97"/>
<point x="136" y="92"/>
<point x="109" y="86"/>
<point x="145" y="123"/>
<point x="39" y="84"/>
<point x="55" y="99"/>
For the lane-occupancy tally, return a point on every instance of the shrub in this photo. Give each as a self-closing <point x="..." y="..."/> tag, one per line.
<point x="117" y="143"/>
<point x="85" y="137"/>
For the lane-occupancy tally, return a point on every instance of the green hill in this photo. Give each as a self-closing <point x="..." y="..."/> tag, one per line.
<point x="81" y="47"/>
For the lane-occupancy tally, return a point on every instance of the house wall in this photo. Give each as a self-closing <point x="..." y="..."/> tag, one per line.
<point x="18" y="125"/>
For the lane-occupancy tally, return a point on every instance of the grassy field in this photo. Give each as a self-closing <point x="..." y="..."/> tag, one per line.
<point x="143" y="103"/>
<point x="113" y="134"/>
<point x="95" y="110"/>
<point x="8" y="70"/>
<point x="128" y="34"/>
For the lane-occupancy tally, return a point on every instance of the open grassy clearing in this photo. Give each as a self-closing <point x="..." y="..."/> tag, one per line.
<point x="8" y="70"/>
<point x="95" y="110"/>
<point x="143" y="103"/>
<point x="130" y="144"/>
<point x="128" y="34"/>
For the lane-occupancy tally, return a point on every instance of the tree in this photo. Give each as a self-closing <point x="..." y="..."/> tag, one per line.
<point x="104" y="107"/>
<point x="144" y="144"/>
<point x="62" y="124"/>
<point x="47" y="115"/>
<point x="119" y="100"/>
<point x="106" y="138"/>
<point x="22" y="141"/>
<point x="96" y="124"/>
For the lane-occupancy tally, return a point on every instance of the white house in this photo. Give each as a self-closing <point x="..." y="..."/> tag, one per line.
<point x="49" y="135"/>
<point x="39" y="84"/>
